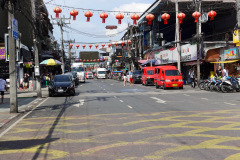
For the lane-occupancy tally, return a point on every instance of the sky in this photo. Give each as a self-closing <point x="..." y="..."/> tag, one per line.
<point x="95" y="26"/>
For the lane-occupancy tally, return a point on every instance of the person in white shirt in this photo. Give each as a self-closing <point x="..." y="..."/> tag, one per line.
<point x="225" y="72"/>
<point x="3" y="86"/>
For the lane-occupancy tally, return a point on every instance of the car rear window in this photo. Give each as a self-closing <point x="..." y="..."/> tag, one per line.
<point x="150" y="72"/>
<point x="62" y="79"/>
<point x="172" y="73"/>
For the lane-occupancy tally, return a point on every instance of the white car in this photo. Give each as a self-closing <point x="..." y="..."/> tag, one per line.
<point x="81" y="76"/>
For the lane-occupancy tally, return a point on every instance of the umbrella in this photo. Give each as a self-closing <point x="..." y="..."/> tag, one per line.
<point x="51" y="62"/>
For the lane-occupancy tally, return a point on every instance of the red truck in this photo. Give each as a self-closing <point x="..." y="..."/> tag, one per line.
<point x="167" y="77"/>
<point x="148" y="76"/>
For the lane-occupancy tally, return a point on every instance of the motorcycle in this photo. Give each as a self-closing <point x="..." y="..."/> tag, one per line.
<point x="215" y="85"/>
<point x="227" y="85"/>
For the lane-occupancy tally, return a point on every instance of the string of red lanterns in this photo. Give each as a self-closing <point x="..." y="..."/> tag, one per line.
<point x="150" y="17"/>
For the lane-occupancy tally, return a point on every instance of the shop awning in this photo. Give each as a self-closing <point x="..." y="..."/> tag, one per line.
<point x="142" y="61"/>
<point x="228" y="61"/>
<point x="149" y="61"/>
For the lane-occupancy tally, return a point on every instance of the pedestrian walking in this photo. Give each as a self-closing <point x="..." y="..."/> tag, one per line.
<point x="225" y="72"/>
<point x="3" y="87"/>
<point x="124" y="78"/>
<point x="192" y="77"/>
<point x="131" y="77"/>
<point x="219" y="72"/>
<point x="25" y="82"/>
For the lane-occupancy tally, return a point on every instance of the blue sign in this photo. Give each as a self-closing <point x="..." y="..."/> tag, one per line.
<point x="15" y="28"/>
<point x="126" y="54"/>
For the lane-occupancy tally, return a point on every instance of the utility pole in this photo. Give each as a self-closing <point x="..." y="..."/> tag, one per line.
<point x="151" y="48"/>
<point x="178" y="37"/>
<point x="60" y="22"/>
<point x="36" y="54"/>
<point x="69" y="49"/>
<point x="12" y="61"/>
<point x="198" y="34"/>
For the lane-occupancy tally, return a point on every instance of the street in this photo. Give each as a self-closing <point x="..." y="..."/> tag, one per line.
<point x="107" y="121"/>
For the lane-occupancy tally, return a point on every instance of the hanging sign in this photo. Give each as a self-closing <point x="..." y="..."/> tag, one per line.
<point x="2" y="53"/>
<point x="15" y="29"/>
<point x="231" y="53"/>
<point x="236" y="37"/>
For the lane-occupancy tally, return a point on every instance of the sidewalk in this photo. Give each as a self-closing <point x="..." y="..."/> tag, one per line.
<point x="26" y="101"/>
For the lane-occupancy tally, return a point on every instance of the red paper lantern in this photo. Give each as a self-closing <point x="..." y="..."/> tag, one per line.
<point x="212" y="14"/>
<point x="150" y="17"/>
<point x="77" y="46"/>
<point x="88" y="14"/>
<point x="57" y="10"/>
<point x="94" y="60"/>
<point x="91" y="60"/>
<point x="71" y="45"/>
<point x="119" y="16"/>
<point x="116" y="44"/>
<point x="74" y="13"/>
<point x="103" y="45"/>
<point x="84" y="60"/>
<point x="165" y="17"/>
<point x="80" y="60"/>
<point x="88" y="60"/>
<point x="98" y="60"/>
<point x="129" y="42"/>
<point x="109" y="45"/>
<point x="116" y="60"/>
<point x="83" y="46"/>
<point x="103" y="16"/>
<point x="96" y="45"/>
<point x="181" y="16"/>
<point x="122" y="43"/>
<point x="134" y="17"/>
<point x="90" y="46"/>
<point x="196" y="15"/>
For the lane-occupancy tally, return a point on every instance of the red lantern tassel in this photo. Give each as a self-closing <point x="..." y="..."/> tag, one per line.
<point x="57" y="15"/>
<point x="74" y="18"/>
<point x="90" y="47"/>
<point x="149" y="22"/>
<point x="196" y="20"/>
<point x="212" y="18"/>
<point x="180" y="21"/>
<point x="165" y="21"/>
<point x="103" y="20"/>
<point x="119" y="21"/>
<point x="88" y="19"/>
<point x="135" y="22"/>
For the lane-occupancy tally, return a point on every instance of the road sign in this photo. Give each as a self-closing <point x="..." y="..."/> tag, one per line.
<point x="15" y="28"/>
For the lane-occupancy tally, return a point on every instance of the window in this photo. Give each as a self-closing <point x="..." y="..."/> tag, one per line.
<point x="62" y="78"/>
<point x="101" y="72"/>
<point x="150" y="72"/>
<point x="172" y="73"/>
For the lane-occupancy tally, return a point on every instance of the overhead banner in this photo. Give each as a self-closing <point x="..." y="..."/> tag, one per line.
<point x="166" y="56"/>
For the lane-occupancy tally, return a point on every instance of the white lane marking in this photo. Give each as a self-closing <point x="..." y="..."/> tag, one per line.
<point x="81" y="102"/>
<point x="158" y="100"/>
<point x="121" y="100"/>
<point x="230" y="104"/>
<point x="20" y="119"/>
<point x="130" y="107"/>
<point x="111" y="84"/>
<point x="186" y="95"/>
<point x="104" y="89"/>
<point x="204" y="98"/>
<point x="115" y="96"/>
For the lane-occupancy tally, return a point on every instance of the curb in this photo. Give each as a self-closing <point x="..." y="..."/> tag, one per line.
<point x="28" y="107"/>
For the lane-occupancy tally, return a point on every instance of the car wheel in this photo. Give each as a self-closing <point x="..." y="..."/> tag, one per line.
<point x="164" y="87"/>
<point x="157" y="86"/>
<point x="180" y="87"/>
<point x="72" y="93"/>
<point x="50" y="94"/>
<point x="146" y="83"/>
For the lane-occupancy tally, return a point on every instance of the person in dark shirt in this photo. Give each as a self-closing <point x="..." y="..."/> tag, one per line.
<point x="25" y="81"/>
<point x="219" y="72"/>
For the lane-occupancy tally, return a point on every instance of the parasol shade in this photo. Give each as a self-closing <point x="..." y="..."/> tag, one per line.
<point x="51" y="62"/>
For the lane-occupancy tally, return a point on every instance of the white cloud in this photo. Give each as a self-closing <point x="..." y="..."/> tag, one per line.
<point x="133" y="7"/>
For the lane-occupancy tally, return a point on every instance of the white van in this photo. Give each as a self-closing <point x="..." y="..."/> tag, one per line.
<point x="81" y="76"/>
<point x="101" y="73"/>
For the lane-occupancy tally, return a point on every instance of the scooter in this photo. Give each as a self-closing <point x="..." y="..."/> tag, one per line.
<point x="216" y="85"/>
<point x="226" y="85"/>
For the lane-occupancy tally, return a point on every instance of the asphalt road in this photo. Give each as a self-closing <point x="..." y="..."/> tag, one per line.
<point x="107" y="121"/>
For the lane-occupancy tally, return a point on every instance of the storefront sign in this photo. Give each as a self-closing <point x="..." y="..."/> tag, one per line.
<point x="2" y="53"/>
<point x="231" y="53"/>
<point x="188" y="53"/>
<point x="166" y="56"/>
<point x="236" y="37"/>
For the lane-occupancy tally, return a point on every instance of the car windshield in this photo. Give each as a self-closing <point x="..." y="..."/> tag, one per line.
<point x="61" y="79"/>
<point x="150" y="72"/>
<point x="89" y="73"/>
<point x="137" y="72"/>
<point x="101" y="72"/>
<point x="172" y="73"/>
<point x="76" y="69"/>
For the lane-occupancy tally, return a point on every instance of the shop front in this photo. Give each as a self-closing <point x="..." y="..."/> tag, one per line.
<point x="231" y="61"/>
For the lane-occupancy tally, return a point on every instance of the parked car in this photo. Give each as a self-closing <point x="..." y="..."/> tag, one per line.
<point x="74" y="77"/>
<point x="137" y="76"/>
<point x="168" y="77"/>
<point x="89" y="75"/>
<point x="62" y="84"/>
<point x="148" y="76"/>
